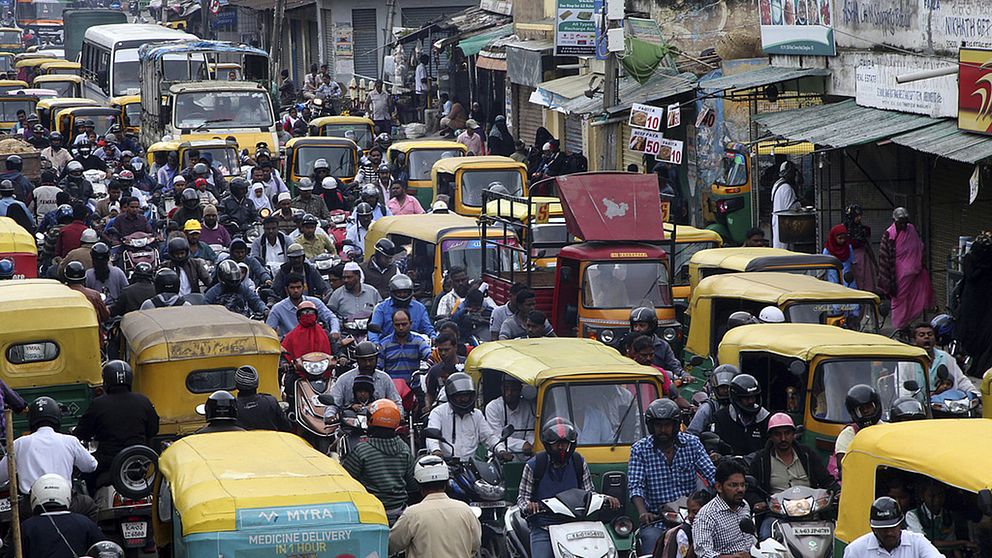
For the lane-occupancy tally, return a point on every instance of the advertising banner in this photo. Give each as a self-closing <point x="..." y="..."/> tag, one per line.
<point x="975" y="90"/>
<point x="798" y="27"/>
<point x="575" y="27"/>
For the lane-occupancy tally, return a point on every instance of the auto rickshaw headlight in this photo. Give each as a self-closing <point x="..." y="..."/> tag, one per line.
<point x="669" y="334"/>
<point x="623" y="526"/>
<point x="606" y="336"/>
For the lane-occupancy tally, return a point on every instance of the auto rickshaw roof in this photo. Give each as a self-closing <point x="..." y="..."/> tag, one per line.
<point x="90" y="111"/>
<point x="808" y="341"/>
<point x="48" y="78"/>
<point x="325" y="120"/>
<point x="756" y="258"/>
<point x="191" y="332"/>
<point x="321" y="141"/>
<point x="207" y="144"/>
<point x="427" y="227"/>
<point x="611" y="206"/>
<point x="534" y="361"/>
<point x="685" y="233"/>
<point x="410" y="145"/>
<point x="214" y="476"/>
<point x="520" y="210"/>
<point x="67" y="102"/>
<point x="13" y="83"/>
<point x="32" y="62"/>
<point x="14" y="239"/>
<point x="69" y="309"/>
<point x="60" y="65"/>
<point x="776" y="287"/>
<point x="125" y="100"/>
<point x="163" y="146"/>
<point x="952" y="451"/>
<point x="451" y="165"/>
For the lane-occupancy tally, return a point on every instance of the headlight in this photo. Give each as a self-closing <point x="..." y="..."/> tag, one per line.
<point x="623" y="526"/>
<point x="798" y="508"/>
<point x="563" y="552"/>
<point x="139" y="242"/>
<point x="669" y="334"/>
<point x="316" y="368"/>
<point x="318" y="101"/>
<point x="489" y="491"/>
<point x="338" y="218"/>
<point x="606" y="336"/>
<point x="958" y="406"/>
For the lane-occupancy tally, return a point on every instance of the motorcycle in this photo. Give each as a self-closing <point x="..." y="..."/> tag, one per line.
<point x="671" y="515"/>
<point x="324" y="263"/>
<point x="124" y="506"/>
<point x="953" y="402"/>
<point x="138" y="247"/>
<point x="338" y="227"/>
<point x="308" y="378"/>
<point x="802" y="528"/>
<point x="580" y="530"/>
<point x="348" y="428"/>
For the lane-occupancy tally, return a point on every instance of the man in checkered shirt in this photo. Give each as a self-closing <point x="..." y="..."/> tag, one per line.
<point x="716" y="532"/>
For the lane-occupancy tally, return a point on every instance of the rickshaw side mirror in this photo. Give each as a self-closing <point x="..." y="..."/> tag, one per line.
<point x="507" y="431"/>
<point x="885" y="308"/>
<point x="681" y="307"/>
<point x="911" y="385"/>
<point x="797" y="368"/>
<point x="433" y="434"/>
<point x="942" y="373"/>
<point x="985" y="501"/>
<point x="800" y="429"/>
<point x="849" y="276"/>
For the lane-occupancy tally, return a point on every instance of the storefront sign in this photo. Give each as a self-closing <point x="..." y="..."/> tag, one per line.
<point x="674" y="115"/>
<point x="799" y="27"/>
<point x="575" y="27"/>
<point x="975" y="90"/>
<point x="876" y="86"/>
<point x="646" y="116"/>
<point x="921" y="25"/>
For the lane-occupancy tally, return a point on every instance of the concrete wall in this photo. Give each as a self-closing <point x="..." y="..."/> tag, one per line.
<point x="731" y="26"/>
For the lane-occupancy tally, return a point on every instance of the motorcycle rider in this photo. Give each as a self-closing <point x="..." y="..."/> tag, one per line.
<point x="14" y="208"/>
<point x="189" y="207"/>
<point x="75" y="184"/>
<point x="321" y="170"/>
<point x="380" y="268"/>
<point x="211" y="231"/>
<point x="105" y="277"/>
<point x="55" y="531"/>
<point x="231" y="293"/>
<point x="314" y="242"/>
<point x="307" y="336"/>
<point x="448" y="362"/>
<point x="257" y="411"/>
<point x="353" y="296"/>
<point x="887" y="535"/>
<point x="296" y="264"/>
<point x="439" y="526"/>
<point x="644" y="321"/>
<point x="308" y="203"/>
<point x="744" y="423"/>
<point x="402" y="352"/>
<point x="116" y="420"/>
<point x="717" y="530"/>
<point x="663" y="467"/>
<point x="23" y="187"/>
<point x="511" y="408"/>
<point x="192" y="273"/>
<point x="384" y="464"/>
<point x="400" y="296"/>
<point x="924" y="337"/>
<point x="270" y="247"/>
<point x="865" y="408"/>
<point x="358" y="229"/>
<point x="75" y="277"/>
<point x="238" y="207"/>
<point x="167" y="289"/>
<point x="258" y="273"/>
<point x="372" y="195"/>
<point x="89" y="161"/>
<point x="135" y="294"/>
<point x="282" y="315"/>
<point x="461" y="424"/>
<point x="368" y="167"/>
<point x="557" y="469"/>
<point x="56" y="153"/>
<point x="366" y="357"/>
<point x="460" y="287"/>
<point x="221" y="410"/>
<point x="333" y="197"/>
<point x="719" y="397"/>
<point x="197" y="249"/>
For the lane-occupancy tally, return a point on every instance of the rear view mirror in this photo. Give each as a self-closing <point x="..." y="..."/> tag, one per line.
<point x="696" y="360"/>
<point x="985" y="501"/>
<point x="797" y="368"/>
<point x="885" y="308"/>
<point x="507" y="431"/>
<point x="942" y="373"/>
<point x="433" y="434"/>
<point x="911" y="385"/>
<point x="325" y="399"/>
<point x="374" y="328"/>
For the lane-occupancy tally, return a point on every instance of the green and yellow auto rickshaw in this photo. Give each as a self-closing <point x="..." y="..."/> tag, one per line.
<point x="417" y="158"/>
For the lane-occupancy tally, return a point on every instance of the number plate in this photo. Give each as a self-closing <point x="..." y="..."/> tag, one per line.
<point x="811" y="531"/>
<point x="134" y="529"/>
<point x="488" y="504"/>
<point x="585" y="535"/>
<point x="5" y="505"/>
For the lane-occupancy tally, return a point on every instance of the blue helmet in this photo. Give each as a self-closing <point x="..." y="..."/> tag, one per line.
<point x="63" y="212"/>
<point x="6" y="269"/>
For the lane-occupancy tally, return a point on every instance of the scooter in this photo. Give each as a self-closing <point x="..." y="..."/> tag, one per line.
<point x="138" y="247"/>
<point x="801" y="529"/>
<point x="671" y="514"/>
<point x="579" y="530"/>
<point x="348" y="428"/>
<point x="338" y="227"/>
<point x="310" y="376"/>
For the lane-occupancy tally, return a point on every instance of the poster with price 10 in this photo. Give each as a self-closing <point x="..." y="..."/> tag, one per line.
<point x="645" y="116"/>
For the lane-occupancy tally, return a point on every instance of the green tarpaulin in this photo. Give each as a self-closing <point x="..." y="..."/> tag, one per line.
<point x="473" y="44"/>
<point x="642" y="58"/>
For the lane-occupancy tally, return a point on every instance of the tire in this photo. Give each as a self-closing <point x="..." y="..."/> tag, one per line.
<point x="133" y="471"/>
<point x="494" y="547"/>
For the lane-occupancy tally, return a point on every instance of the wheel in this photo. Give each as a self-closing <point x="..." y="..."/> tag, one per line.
<point x="494" y="547"/>
<point x="133" y="471"/>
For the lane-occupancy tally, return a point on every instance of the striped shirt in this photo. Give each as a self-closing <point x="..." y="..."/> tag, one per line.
<point x="400" y="359"/>
<point x="384" y="466"/>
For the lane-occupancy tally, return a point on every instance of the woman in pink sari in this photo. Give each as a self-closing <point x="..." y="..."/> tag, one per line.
<point x="903" y="276"/>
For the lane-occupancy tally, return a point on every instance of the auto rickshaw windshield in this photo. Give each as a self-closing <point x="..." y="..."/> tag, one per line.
<point x="604" y="413"/>
<point x="341" y="160"/>
<point x="10" y="37"/>
<point x="225" y="159"/>
<point x="63" y="88"/>
<point x="133" y="112"/>
<point x="853" y="313"/>
<point x="9" y="108"/>
<point x="467" y="253"/>
<point x="101" y="122"/>
<point x="6" y="63"/>
<point x="833" y="379"/>
<point x="734" y="169"/>
<point x="626" y="285"/>
<point x="682" y="254"/>
<point x="475" y="181"/>
<point x="422" y="161"/>
<point x="362" y="135"/>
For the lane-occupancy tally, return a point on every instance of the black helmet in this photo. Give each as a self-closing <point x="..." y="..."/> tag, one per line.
<point x="456" y="384"/>
<point x="100" y="251"/>
<point x="55" y="136"/>
<point x="201" y="168"/>
<point x="721" y="377"/>
<point x="363" y="209"/>
<point x="239" y="184"/>
<point x="117" y="373"/>
<point x="740" y="318"/>
<point x="885" y="513"/>
<point x="863" y="394"/>
<point x="221" y="406"/>
<point x="6" y="269"/>
<point x="558" y="429"/>
<point x="385" y="247"/>
<point x="75" y="272"/>
<point x="44" y="411"/>
<point x="366" y="349"/>
<point x="166" y="281"/>
<point x="906" y="408"/>
<point x="364" y="381"/>
<point x="142" y="271"/>
<point x="744" y="385"/>
<point x="644" y="314"/>
<point x="189" y="198"/>
<point x="6" y="188"/>
<point x="105" y="549"/>
<point x="401" y="282"/>
<point x="14" y="162"/>
<point x="662" y="409"/>
<point x="178" y="244"/>
<point x="228" y="273"/>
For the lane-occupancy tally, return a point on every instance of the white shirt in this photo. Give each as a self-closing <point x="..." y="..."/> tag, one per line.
<point x="419" y="76"/>
<point x="463" y="432"/>
<point x="274" y="254"/>
<point x="911" y="545"/>
<point x="356" y="234"/>
<point x="783" y="199"/>
<point x="46" y="451"/>
<point x="522" y="418"/>
<point x="450" y="302"/>
<point x="184" y="288"/>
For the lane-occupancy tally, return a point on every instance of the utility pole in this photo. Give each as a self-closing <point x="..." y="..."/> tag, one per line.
<point x="205" y="19"/>
<point x="614" y="19"/>
<point x="322" y="33"/>
<point x="275" y="48"/>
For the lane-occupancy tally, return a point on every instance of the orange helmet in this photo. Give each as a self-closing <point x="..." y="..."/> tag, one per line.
<point x="384" y="413"/>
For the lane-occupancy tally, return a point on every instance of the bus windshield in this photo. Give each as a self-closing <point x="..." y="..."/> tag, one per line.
<point x="222" y="109"/>
<point x="29" y="11"/>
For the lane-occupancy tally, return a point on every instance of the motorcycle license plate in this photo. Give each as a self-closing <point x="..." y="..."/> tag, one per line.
<point x="134" y="529"/>
<point x="488" y="504"/>
<point x="811" y="531"/>
<point x="585" y="535"/>
<point x="5" y="505"/>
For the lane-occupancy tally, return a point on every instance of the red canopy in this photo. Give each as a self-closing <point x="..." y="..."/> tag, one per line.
<point x="612" y="206"/>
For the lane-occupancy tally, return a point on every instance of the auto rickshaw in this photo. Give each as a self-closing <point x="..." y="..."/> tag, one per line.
<point x="806" y="370"/>
<point x="705" y="263"/>
<point x="67" y="120"/>
<point x="547" y="226"/>
<point x="580" y="380"/>
<point x="362" y="130"/>
<point x="688" y="240"/>
<point x="47" y="107"/>
<point x="949" y="451"/>
<point x="180" y="355"/>
<point x="29" y="68"/>
<point x="33" y="92"/>
<point x="8" y="85"/>
<point x="463" y="179"/>
<point x="60" y="67"/>
<point x="802" y="299"/>
<point x="261" y="493"/>
<point x="11" y="104"/>
<point x="130" y="107"/>
<point x="341" y="154"/>
<point x="17" y="245"/>
<point x="65" y="85"/>
<point x="10" y="39"/>
<point x="418" y="158"/>
<point x="225" y="71"/>
<point x="50" y="345"/>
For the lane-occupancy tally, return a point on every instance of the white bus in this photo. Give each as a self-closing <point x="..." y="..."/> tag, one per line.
<point x="109" y="57"/>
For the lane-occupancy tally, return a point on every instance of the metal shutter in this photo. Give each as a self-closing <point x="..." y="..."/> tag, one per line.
<point x="416" y="18"/>
<point x="573" y="134"/>
<point x="366" y="42"/>
<point x="528" y="117"/>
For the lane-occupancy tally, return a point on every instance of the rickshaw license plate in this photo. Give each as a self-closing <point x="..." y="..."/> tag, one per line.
<point x="811" y="531"/>
<point x="5" y="505"/>
<point x="134" y="529"/>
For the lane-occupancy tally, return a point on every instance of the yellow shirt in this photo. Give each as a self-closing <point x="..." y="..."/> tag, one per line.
<point x="437" y="527"/>
<point x="321" y="244"/>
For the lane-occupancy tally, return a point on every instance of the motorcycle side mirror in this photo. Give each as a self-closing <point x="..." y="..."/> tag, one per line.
<point x="374" y="328"/>
<point x="319" y="385"/>
<point x="325" y="399"/>
<point x="433" y="434"/>
<point x="911" y="385"/>
<point x="797" y="368"/>
<point x="747" y="526"/>
<point x="985" y="501"/>
<point x="264" y="212"/>
<point x="507" y="431"/>
<point x="942" y="373"/>
<point x="696" y="360"/>
<point x="800" y="429"/>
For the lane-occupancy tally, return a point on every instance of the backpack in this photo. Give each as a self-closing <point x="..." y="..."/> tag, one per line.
<point x="541" y="466"/>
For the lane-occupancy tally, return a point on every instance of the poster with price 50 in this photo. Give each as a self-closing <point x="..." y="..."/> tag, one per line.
<point x="645" y="141"/>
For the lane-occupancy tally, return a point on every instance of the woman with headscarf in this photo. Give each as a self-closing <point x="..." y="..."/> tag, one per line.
<point x="307" y="336"/>
<point x="903" y="275"/>
<point x="865" y="268"/>
<point x="258" y="197"/>
<point x="535" y="159"/>
<point x="839" y="246"/>
<point x="974" y="303"/>
<point x="500" y="140"/>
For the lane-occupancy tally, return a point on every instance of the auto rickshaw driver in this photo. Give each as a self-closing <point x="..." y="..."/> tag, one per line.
<point x="221" y="411"/>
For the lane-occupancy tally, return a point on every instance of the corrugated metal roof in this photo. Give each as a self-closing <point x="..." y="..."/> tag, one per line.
<point x="840" y="124"/>
<point x="567" y="94"/>
<point x="569" y="87"/>
<point x="658" y="87"/>
<point x="532" y="45"/>
<point x="946" y="140"/>
<point x="760" y="77"/>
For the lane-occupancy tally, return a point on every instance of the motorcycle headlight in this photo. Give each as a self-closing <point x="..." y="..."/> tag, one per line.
<point x="139" y="242"/>
<point x="958" y="406"/>
<point x="798" y="508"/>
<point x="318" y="101"/>
<point x="563" y="552"/>
<point x="669" y="334"/>
<point x="361" y="324"/>
<point x="338" y="218"/>
<point x="606" y="336"/>
<point x="488" y="491"/>
<point x="623" y="526"/>
<point x="316" y="368"/>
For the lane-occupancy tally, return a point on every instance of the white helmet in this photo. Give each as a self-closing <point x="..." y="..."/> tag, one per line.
<point x="51" y="491"/>
<point x="329" y="183"/>
<point x="771" y="315"/>
<point x="430" y="468"/>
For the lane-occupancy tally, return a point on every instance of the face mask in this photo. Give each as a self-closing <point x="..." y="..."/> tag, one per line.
<point x="308" y="320"/>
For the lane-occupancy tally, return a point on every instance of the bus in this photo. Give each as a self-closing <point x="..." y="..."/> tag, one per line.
<point x="44" y="17"/>
<point x="109" y="57"/>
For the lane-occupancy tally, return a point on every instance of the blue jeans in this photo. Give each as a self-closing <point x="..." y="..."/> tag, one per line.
<point x="765" y="528"/>
<point x="540" y="543"/>
<point x="648" y="538"/>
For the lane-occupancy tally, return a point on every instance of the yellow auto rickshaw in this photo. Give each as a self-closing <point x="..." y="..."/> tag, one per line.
<point x="67" y="120"/>
<point x="342" y="155"/>
<point x="806" y="370"/>
<point x="417" y="158"/>
<point x="130" y="107"/>
<point x="801" y="299"/>
<point x="463" y="179"/>
<point x="915" y="454"/>
<point x="688" y="240"/>
<point x="47" y="108"/>
<point x="547" y="226"/>
<point x="180" y="355"/>
<point x="17" y="245"/>
<point x="358" y="129"/>
<point x="8" y="85"/>
<point x="704" y="263"/>
<point x="590" y="384"/>
<point x="6" y="61"/>
<point x="261" y="493"/>
<point x="65" y="85"/>
<point x="10" y="39"/>
<point x="29" y="68"/>
<point x="50" y="345"/>
<point x="60" y="67"/>
<point x="10" y="105"/>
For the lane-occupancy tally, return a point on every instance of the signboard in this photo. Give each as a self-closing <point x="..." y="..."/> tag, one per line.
<point x="504" y="7"/>
<point x="645" y="141"/>
<point x="645" y="116"/>
<point x="645" y="30"/>
<point x="674" y="115"/>
<point x="920" y="25"/>
<point x="575" y="27"/>
<point x="798" y="27"/>
<point x="975" y="90"/>
<point x="670" y="151"/>
<point x="876" y="86"/>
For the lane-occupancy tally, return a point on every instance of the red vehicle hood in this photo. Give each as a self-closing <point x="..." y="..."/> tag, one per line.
<point x="612" y="206"/>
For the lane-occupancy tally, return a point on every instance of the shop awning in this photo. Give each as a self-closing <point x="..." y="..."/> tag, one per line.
<point x="840" y="125"/>
<point x="474" y="28"/>
<point x="660" y="86"/>
<point x="523" y="61"/>
<point x="760" y="78"/>
<point x="473" y="43"/>
<point x="568" y="94"/>
<point x="491" y="63"/>
<point x="555" y="93"/>
<point x="946" y="140"/>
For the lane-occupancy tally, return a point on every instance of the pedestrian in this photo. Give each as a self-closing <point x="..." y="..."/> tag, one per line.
<point x="420" y="83"/>
<point x="379" y="107"/>
<point x="974" y="303"/>
<point x="472" y="139"/>
<point x="400" y="202"/>
<point x="838" y="245"/>
<point x="903" y="274"/>
<point x="865" y="267"/>
<point x="784" y="198"/>
<point x="501" y="142"/>
<point x="287" y="90"/>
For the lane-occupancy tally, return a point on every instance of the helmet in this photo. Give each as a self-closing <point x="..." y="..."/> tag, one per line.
<point x="6" y="269"/>
<point x="89" y="236"/>
<point x="366" y="349"/>
<point x="558" y="429"/>
<point x="229" y="274"/>
<point x="14" y="162"/>
<point x="246" y="378"/>
<point x="943" y="328"/>
<point x="739" y="318"/>
<point x="306" y="305"/>
<point x="329" y="182"/>
<point x="64" y="213"/>
<point x="430" y="469"/>
<point x="55" y="136"/>
<point x="906" y="408"/>
<point x="51" y="491"/>
<point x="363" y="209"/>
<point x="126" y="176"/>
<point x="781" y="420"/>
<point x="460" y="383"/>
<point x="189" y="197"/>
<point x="201" y="168"/>
<point x="6" y="188"/>
<point x="295" y="250"/>
<point x="166" y="281"/>
<point x="771" y="315"/>
<point x="117" y="373"/>
<point x="644" y="314"/>
<point x="744" y="385"/>
<point x="721" y="377"/>
<point x="385" y="247"/>
<point x="363" y="381"/>
<point x="178" y="244"/>
<point x="400" y="282"/>
<point x="142" y="272"/>
<point x="44" y="411"/>
<point x="863" y="394"/>
<point x="321" y="164"/>
<point x="662" y="409"/>
<point x="239" y="184"/>
<point x="497" y="187"/>
<point x="369" y="190"/>
<point x="74" y="166"/>
<point x="105" y="549"/>
<point x="885" y="513"/>
<point x="75" y="272"/>
<point x="100" y="251"/>
<point x="309" y="219"/>
<point x="221" y="406"/>
<point x="383" y="139"/>
<point x="384" y="413"/>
